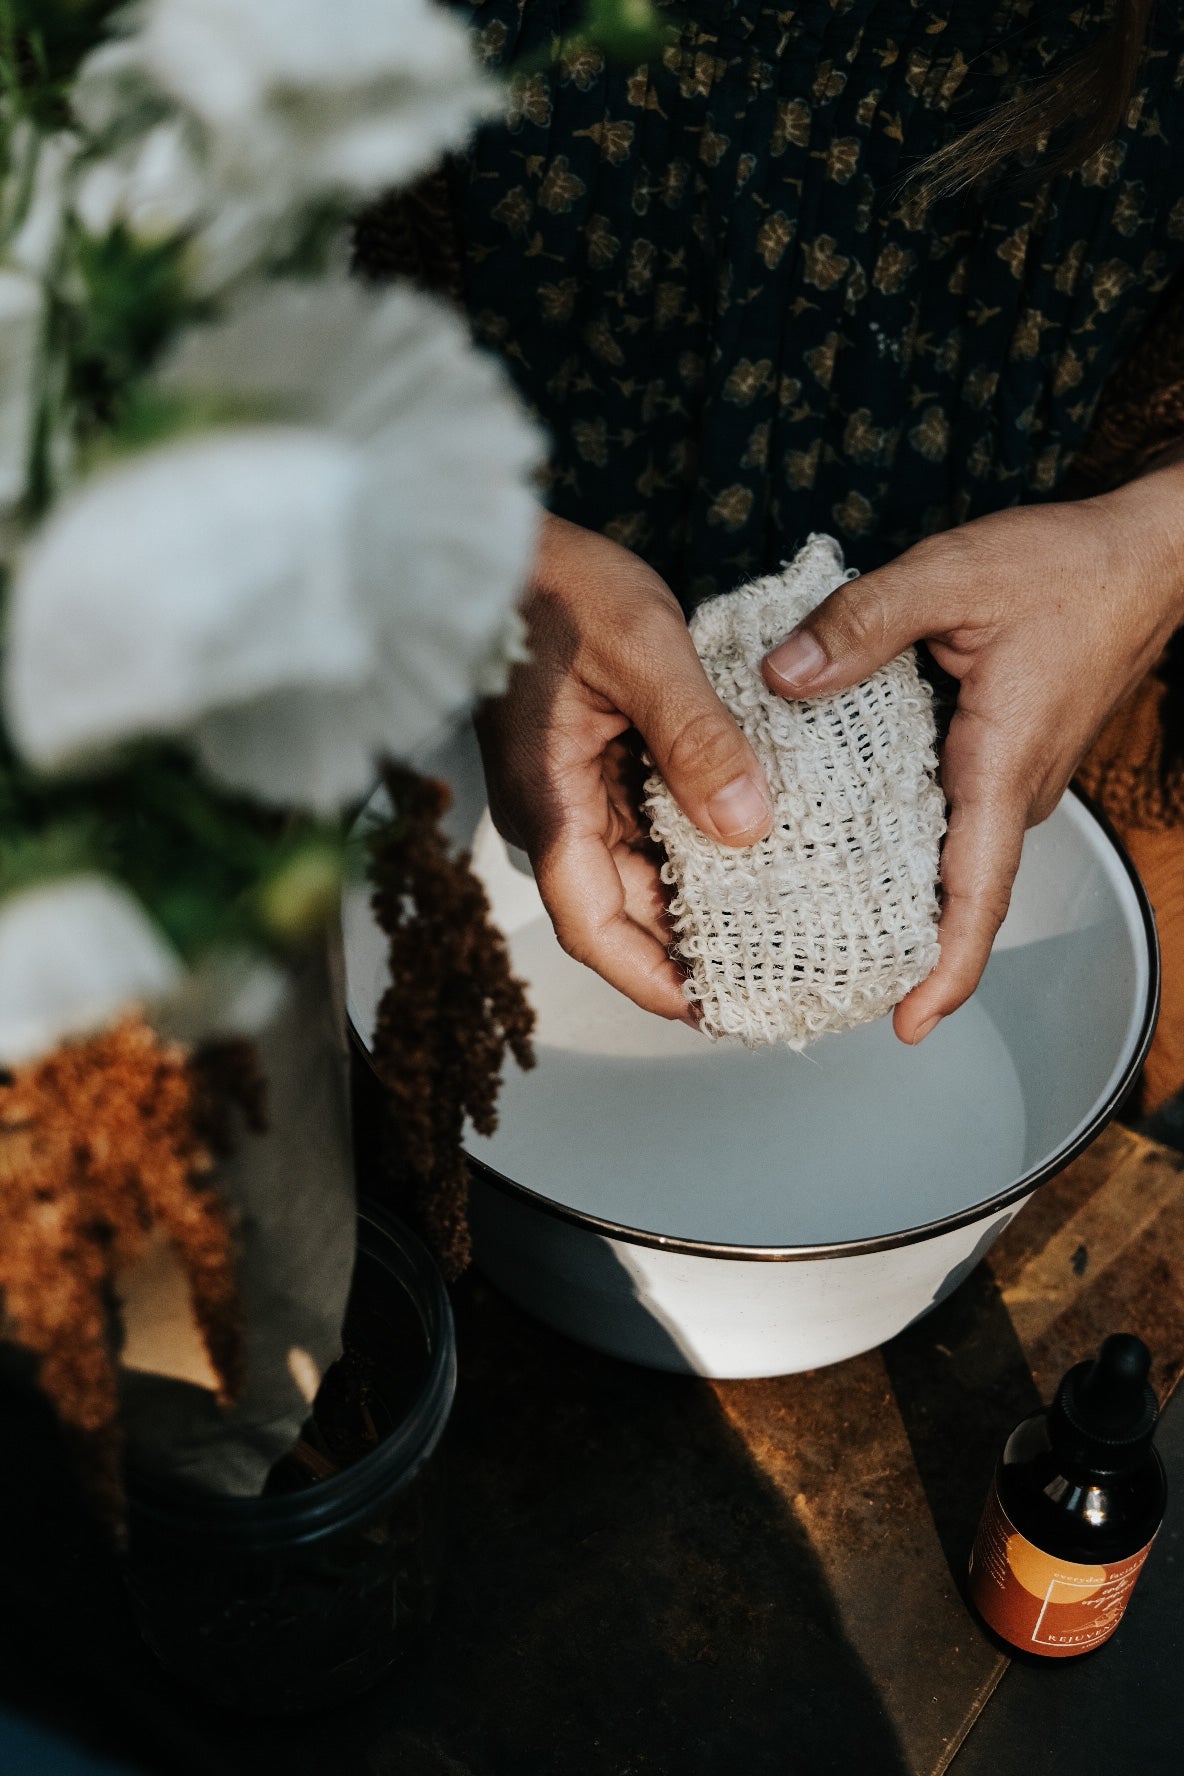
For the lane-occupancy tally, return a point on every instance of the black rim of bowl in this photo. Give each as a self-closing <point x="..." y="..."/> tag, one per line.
<point x="883" y="1242"/>
<point x="335" y="1505"/>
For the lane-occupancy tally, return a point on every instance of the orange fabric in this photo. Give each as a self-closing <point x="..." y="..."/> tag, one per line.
<point x="1159" y="858"/>
<point x="1124" y="769"/>
<point x="1141" y="414"/>
<point x="1122" y="773"/>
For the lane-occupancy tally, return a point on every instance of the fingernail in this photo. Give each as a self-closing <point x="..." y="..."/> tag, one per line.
<point x="797" y="658"/>
<point x="739" y="807"/>
<point x="926" y="1028"/>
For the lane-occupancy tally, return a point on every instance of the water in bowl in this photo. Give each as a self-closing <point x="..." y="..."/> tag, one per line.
<point x="857" y="1137"/>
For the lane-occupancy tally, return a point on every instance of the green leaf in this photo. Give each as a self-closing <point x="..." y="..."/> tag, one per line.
<point x="133" y="300"/>
<point x="57" y="34"/>
<point x="42" y="43"/>
<point x="145" y="416"/>
<point x="302" y="895"/>
<point x="213" y="869"/>
<point x="627" y="31"/>
<point x="71" y="847"/>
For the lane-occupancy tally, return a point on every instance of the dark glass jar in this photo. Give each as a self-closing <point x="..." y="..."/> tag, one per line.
<point x="1083" y="1514"/>
<point x="294" y="1600"/>
<point x="1077" y="1501"/>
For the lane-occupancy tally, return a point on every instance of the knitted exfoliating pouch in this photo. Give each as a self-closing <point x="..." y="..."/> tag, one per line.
<point x="832" y="919"/>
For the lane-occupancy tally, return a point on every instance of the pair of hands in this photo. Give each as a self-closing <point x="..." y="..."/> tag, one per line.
<point x="1047" y="616"/>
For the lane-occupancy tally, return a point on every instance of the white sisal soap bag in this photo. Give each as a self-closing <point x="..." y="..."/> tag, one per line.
<point x="832" y="919"/>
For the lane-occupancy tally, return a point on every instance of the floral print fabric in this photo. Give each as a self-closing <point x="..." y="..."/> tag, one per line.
<point x="739" y="321"/>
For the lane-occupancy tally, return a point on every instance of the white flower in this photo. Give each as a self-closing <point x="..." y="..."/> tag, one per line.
<point x="348" y="96"/>
<point x="146" y="167"/>
<point x="236" y="121"/>
<point x="112" y="97"/>
<point x="74" y="954"/>
<point x="208" y="572"/>
<point x="293" y="598"/>
<point x="152" y="184"/>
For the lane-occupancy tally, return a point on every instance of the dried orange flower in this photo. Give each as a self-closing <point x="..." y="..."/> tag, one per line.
<point x="102" y="1142"/>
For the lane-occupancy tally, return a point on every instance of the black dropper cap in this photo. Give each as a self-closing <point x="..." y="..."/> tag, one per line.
<point x="1105" y="1411"/>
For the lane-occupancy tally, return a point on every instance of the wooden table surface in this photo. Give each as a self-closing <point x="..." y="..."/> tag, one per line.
<point x="659" y="1576"/>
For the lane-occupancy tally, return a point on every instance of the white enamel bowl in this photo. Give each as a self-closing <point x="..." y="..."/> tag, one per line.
<point x="701" y="1207"/>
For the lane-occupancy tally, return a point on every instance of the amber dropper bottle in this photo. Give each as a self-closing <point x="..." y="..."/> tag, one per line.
<point x="1078" y="1496"/>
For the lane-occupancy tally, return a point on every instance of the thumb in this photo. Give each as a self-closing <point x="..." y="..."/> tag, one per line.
<point x="851" y="634"/>
<point x="710" y="768"/>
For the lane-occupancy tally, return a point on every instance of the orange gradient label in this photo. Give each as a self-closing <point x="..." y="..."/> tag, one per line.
<point x="1041" y="1604"/>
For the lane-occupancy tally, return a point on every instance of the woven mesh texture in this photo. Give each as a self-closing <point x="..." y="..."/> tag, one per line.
<point x="829" y="921"/>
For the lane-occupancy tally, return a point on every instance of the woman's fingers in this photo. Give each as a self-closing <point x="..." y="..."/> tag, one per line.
<point x="930" y="592"/>
<point x="934" y="589"/>
<point x="610" y="623"/>
<point x="711" y="770"/>
<point x="980" y="857"/>
<point x="610" y="651"/>
<point x="645" y="899"/>
<point x="585" y="895"/>
<point x="851" y="634"/>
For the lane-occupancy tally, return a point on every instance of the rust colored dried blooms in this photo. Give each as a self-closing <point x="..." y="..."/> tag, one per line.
<point x="102" y="1142"/>
<point x="450" y="1014"/>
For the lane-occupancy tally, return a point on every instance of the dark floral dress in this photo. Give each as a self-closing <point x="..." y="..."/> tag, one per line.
<point x="740" y="322"/>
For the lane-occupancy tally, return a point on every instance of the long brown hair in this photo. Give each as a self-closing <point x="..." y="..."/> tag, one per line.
<point x="1084" y="103"/>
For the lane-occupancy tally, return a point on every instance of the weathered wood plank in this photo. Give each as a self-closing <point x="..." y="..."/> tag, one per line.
<point x="884" y="1461"/>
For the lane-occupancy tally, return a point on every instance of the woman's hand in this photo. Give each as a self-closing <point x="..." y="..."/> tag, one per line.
<point x="611" y="659"/>
<point x="1048" y="616"/>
